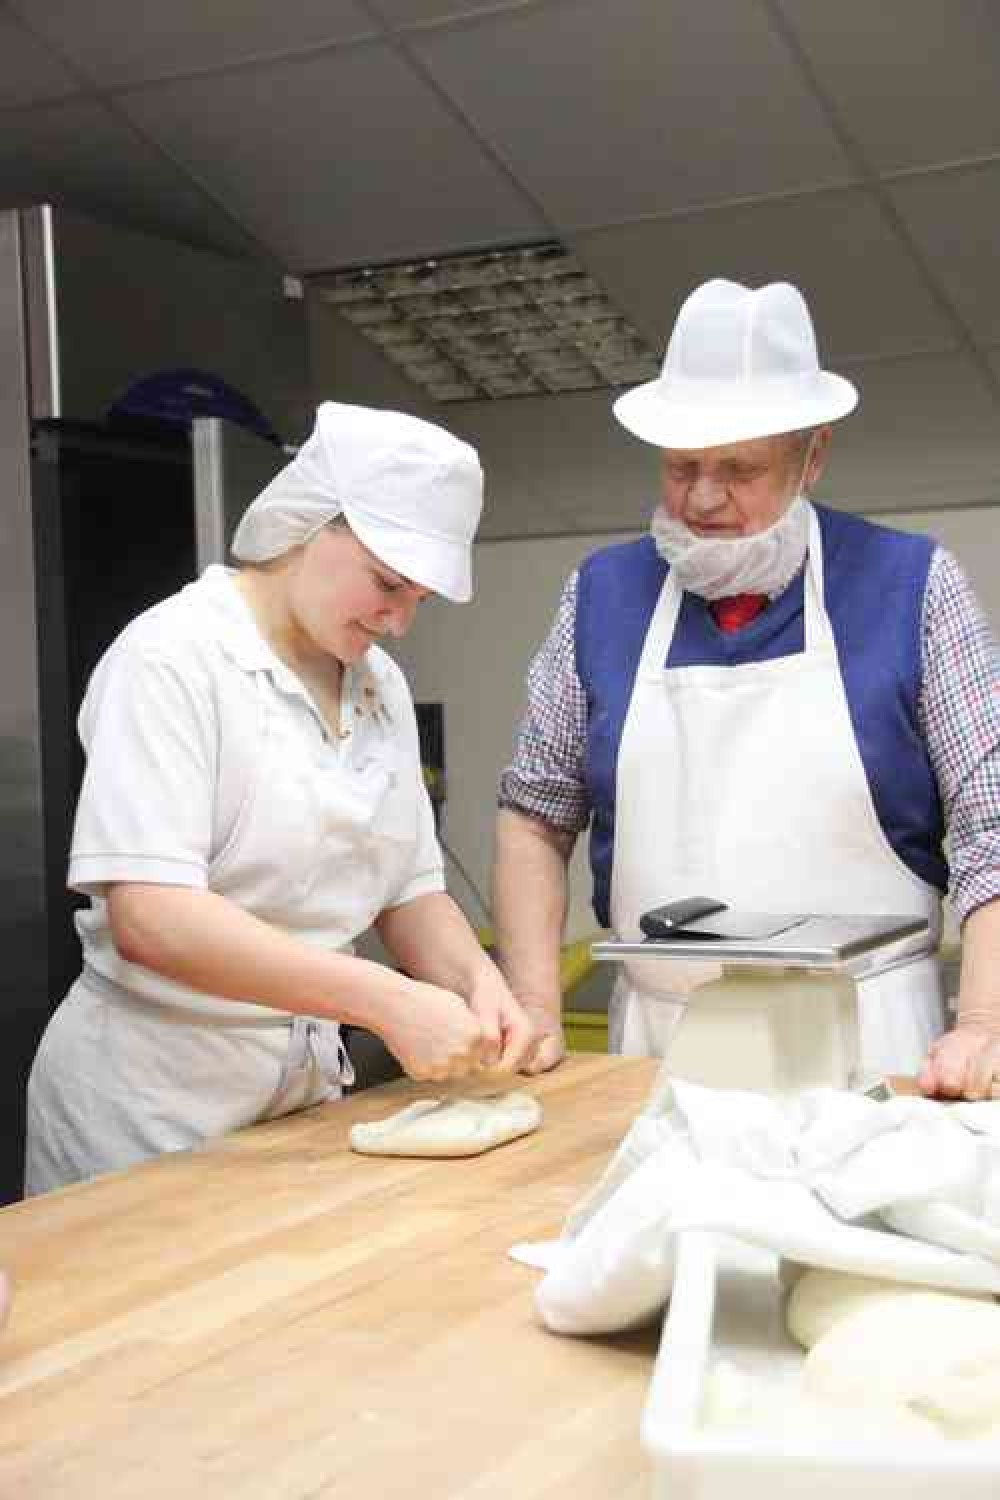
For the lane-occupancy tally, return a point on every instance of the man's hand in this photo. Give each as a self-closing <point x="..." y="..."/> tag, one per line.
<point x="963" y="1064"/>
<point x="509" y="1034"/>
<point x="550" y="1042"/>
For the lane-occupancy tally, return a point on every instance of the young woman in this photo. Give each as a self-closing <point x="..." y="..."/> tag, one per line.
<point x="253" y="801"/>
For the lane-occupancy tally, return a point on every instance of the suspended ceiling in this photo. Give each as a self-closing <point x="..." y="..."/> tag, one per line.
<point x="852" y="148"/>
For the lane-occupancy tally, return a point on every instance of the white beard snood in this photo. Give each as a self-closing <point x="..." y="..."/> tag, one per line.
<point x="717" y="567"/>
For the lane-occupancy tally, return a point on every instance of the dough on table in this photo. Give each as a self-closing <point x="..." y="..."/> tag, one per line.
<point x="821" y="1299"/>
<point x="449" y="1127"/>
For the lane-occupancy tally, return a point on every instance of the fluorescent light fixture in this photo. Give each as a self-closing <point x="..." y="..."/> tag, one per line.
<point x="516" y="322"/>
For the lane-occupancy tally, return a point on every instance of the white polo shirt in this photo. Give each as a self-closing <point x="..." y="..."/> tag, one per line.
<point x="210" y="766"/>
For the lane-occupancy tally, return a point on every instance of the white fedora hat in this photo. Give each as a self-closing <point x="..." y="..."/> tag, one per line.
<point x="741" y="363"/>
<point x="409" y="490"/>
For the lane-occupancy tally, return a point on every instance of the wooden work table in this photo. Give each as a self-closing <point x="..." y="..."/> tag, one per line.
<point x="277" y="1318"/>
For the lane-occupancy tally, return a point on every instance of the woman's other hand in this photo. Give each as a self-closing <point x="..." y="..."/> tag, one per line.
<point x="509" y="1034"/>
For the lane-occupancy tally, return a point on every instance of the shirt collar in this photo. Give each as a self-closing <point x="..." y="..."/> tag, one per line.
<point x="237" y="632"/>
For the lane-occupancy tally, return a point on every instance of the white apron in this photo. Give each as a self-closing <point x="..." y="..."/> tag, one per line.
<point x="122" y="1075"/>
<point x="745" y="783"/>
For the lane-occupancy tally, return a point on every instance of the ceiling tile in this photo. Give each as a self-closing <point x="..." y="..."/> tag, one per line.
<point x="926" y="434"/>
<point x="29" y="74"/>
<point x="114" y="45"/>
<point x="78" y="154"/>
<point x="916" y="81"/>
<point x="866" y="297"/>
<point x="955" y="220"/>
<point x="608" y="112"/>
<point x="427" y="12"/>
<point x="337" y="159"/>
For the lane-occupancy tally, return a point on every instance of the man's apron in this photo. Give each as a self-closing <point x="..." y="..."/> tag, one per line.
<point x="745" y="783"/>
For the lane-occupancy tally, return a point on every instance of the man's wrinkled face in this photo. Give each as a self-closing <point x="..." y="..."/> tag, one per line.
<point x="739" y="489"/>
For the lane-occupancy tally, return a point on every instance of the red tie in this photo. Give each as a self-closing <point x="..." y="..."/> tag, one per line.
<point x="738" y="610"/>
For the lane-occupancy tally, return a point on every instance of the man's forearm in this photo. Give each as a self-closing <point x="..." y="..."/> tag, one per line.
<point x="530" y="893"/>
<point x="979" y="992"/>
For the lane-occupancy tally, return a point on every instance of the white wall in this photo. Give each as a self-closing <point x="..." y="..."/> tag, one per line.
<point x="473" y="659"/>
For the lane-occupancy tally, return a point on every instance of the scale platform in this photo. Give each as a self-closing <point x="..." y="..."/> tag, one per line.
<point x="807" y="942"/>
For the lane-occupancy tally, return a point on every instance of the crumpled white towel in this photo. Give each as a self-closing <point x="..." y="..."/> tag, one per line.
<point x="908" y="1189"/>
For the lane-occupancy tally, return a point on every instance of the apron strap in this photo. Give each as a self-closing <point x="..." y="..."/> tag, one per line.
<point x="316" y="1044"/>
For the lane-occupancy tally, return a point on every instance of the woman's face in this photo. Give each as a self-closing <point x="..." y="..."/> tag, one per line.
<point x="343" y="598"/>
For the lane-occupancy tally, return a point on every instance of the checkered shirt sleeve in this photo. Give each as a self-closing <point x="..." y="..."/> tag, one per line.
<point x="545" y="779"/>
<point x="959" y="714"/>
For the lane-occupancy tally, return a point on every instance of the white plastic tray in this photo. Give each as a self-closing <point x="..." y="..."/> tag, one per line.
<point x="727" y="1304"/>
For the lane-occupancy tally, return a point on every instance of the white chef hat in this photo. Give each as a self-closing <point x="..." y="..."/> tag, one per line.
<point x="411" y="492"/>
<point x="741" y="363"/>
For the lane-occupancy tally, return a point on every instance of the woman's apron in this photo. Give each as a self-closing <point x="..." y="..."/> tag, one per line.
<point x="745" y="783"/>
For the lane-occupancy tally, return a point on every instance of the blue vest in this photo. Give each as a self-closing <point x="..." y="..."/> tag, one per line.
<point x="875" y="581"/>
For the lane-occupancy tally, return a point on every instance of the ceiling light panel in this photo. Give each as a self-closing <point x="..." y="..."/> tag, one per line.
<point x="499" y="323"/>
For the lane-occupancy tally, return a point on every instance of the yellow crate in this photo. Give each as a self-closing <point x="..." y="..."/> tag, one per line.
<point x="586" y="1030"/>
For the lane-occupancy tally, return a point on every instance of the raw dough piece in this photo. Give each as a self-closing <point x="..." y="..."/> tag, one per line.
<point x="822" y="1299"/>
<point x="449" y="1127"/>
<point x="965" y="1404"/>
<point x="736" y="1401"/>
<point x="934" y="1351"/>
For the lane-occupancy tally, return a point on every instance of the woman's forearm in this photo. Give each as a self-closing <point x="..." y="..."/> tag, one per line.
<point x="203" y="941"/>
<point x="431" y="939"/>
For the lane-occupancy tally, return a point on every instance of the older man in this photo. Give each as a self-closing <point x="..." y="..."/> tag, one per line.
<point x="764" y="701"/>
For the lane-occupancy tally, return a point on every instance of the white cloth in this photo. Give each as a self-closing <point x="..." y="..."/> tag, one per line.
<point x="711" y="759"/>
<point x="209" y="766"/>
<point x="819" y="1177"/>
<point x="409" y="490"/>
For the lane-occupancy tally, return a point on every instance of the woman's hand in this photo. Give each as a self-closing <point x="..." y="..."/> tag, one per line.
<point x="509" y="1035"/>
<point x="432" y="1032"/>
<point x="963" y="1064"/>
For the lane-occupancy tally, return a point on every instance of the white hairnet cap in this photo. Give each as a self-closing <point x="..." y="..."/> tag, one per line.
<point x="411" y="492"/>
